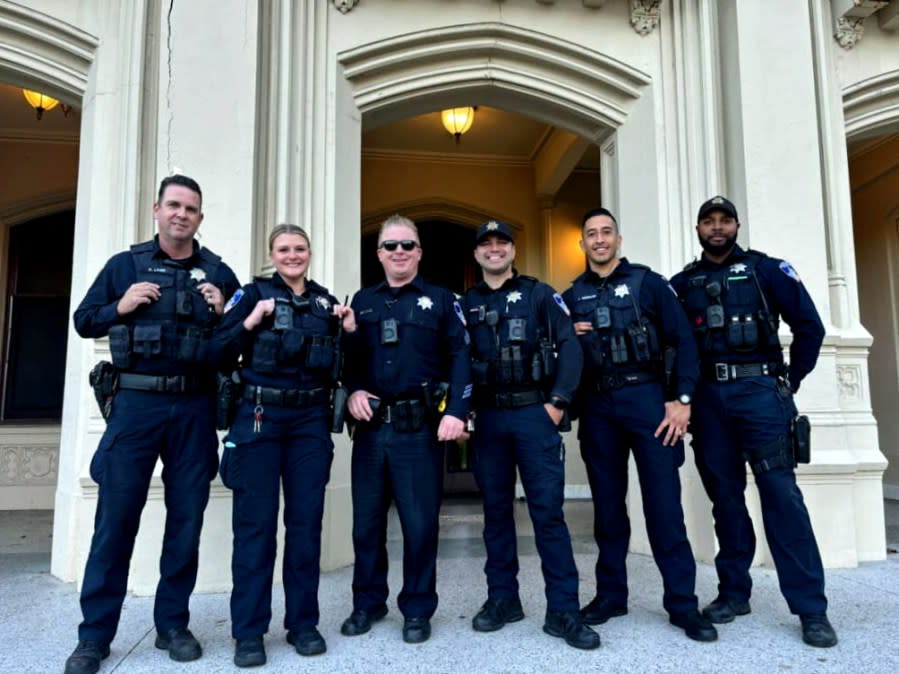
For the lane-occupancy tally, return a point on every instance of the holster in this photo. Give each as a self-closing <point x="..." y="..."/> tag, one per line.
<point x="338" y="408"/>
<point x="776" y="454"/>
<point x="104" y="380"/>
<point x="227" y="398"/>
<point x="801" y="436"/>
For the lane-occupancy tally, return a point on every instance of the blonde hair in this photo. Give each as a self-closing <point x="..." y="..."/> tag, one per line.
<point x="286" y="229"/>
<point x="394" y="220"/>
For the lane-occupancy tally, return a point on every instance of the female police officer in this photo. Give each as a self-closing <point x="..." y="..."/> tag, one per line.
<point x="285" y="328"/>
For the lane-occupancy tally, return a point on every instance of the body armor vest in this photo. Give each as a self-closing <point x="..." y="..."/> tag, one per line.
<point x="729" y="312"/>
<point x="178" y="325"/>
<point x="623" y="340"/>
<point x="300" y="334"/>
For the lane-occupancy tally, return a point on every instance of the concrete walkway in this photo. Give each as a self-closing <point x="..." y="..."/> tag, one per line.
<point x="39" y="616"/>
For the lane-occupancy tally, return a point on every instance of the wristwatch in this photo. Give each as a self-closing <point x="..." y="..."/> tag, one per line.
<point x="684" y="399"/>
<point x="558" y="403"/>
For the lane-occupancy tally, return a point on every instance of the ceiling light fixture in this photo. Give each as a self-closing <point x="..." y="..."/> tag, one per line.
<point x="41" y="103"/>
<point x="457" y="120"/>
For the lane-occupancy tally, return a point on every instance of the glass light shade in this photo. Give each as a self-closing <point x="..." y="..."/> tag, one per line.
<point x="457" y="120"/>
<point x="39" y="100"/>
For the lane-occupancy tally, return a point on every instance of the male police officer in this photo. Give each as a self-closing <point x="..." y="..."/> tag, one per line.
<point x="157" y="303"/>
<point x="743" y="410"/>
<point x="409" y="343"/>
<point x="628" y="318"/>
<point x="516" y="324"/>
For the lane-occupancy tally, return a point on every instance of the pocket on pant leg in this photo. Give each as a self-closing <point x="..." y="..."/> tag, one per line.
<point x="98" y="461"/>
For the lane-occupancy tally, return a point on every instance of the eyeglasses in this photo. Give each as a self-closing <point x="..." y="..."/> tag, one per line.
<point x="391" y="244"/>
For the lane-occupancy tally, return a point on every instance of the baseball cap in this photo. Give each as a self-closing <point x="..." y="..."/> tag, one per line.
<point x="494" y="227"/>
<point x="717" y="203"/>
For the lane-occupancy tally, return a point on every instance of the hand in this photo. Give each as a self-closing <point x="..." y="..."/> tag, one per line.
<point x="346" y="314"/>
<point x="359" y="407"/>
<point x="213" y="297"/>
<point x="677" y="418"/>
<point x="554" y="413"/>
<point x="583" y="327"/>
<point x="136" y="295"/>
<point x="262" y="309"/>
<point x="451" y="428"/>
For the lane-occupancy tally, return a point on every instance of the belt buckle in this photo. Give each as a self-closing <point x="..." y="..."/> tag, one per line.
<point x="172" y="384"/>
<point x="722" y="372"/>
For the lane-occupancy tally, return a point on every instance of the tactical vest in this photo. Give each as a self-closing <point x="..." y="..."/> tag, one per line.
<point x="300" y="334"/>
<point x="509" y="345"/>
<point x="623" y="340"/>
<point x="178" y="325"/>
<point x="730" y="313"/>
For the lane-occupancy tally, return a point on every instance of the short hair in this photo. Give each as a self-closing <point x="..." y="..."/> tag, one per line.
<point x="286" y="228"/>
<point x="397" y="219"/>
<point x="597" y="212"/>
<point x="181" y="180"/>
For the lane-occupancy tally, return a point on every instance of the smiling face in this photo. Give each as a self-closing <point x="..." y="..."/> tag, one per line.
<point x="600" y="242"/>
<point x="178" y="215"/>
<point x="717" y="233"/>
<point x="290" y="254"/>
<point x="495" y="254"/>
<point x="400" y="266"/>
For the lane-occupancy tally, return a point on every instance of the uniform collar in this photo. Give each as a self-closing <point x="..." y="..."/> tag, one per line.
<point x="736" y="255"/>
<point x="159" y="253"/>
<point x="507" y="284"/>
<point x="418" y="283"/>
<point x="592" y="277"/>
<point x="310" y="285"/>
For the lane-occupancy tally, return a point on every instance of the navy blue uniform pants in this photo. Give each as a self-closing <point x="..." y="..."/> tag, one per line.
<point x="143" y="427"/>
<point x="408" y="469"/>
<point x="731" y="421"/>
<point x="525" y="437"/>
<point x="293" y="447"/>
<point x="613" y="424"/>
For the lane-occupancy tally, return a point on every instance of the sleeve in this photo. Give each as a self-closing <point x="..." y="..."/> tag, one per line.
<point x="227" y="281"/>
<point x="675" y="330"/>
<point x="98" y="310"/>
<point x="230" y="337"/>
<point x="458" y="358"/>
<point x="795" y="305"/>
<point x="570" y="361"/>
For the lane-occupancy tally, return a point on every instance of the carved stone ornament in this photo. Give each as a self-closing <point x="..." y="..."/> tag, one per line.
<point x="345" y="6"/>
<point x="28" y="465"/>
<point x="645" y="15"/>
<point x="849" y="380"/>
<point x="849" y="31"/>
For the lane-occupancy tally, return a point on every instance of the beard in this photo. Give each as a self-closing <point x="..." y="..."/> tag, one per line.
<point x="718" y="249"/>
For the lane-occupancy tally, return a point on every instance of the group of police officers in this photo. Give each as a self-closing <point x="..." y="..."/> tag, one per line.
<point x="637" y="360"/>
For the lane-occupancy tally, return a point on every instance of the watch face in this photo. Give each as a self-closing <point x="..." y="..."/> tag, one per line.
<point x="684" y="399"/>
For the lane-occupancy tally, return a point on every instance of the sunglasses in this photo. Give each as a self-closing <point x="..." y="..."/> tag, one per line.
<point x="391" y="244"/>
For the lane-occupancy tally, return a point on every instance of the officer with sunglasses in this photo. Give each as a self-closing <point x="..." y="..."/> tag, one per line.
<point x="407" y="369"/>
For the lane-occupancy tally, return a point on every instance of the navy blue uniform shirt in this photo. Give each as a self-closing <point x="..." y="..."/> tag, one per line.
<point x="430" y="344"/>
<point x="659" y="304"/>
<point x="786" y="297"/>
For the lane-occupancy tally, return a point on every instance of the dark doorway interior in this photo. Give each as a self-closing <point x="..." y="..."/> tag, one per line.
<point x="35" y="328"/>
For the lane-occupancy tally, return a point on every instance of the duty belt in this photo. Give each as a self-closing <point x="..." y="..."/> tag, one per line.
<point x="611" y="382"/>
<point x="163" y="383"/>
<point x="729" y="371"/>
<point x="511" y="400"/>
<point x="286" y="397"/>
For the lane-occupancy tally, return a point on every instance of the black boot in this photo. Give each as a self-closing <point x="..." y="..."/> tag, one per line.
<point x="495" y="613"/>
<point x="86" y="657"/>
<point x="817" y="630"/>
<point x="568" y="625"/>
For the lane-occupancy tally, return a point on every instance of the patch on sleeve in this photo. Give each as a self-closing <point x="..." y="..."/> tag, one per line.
<point x="235" y="298"/>
<point x="461" y="314"/>
<point x="558" y="300"/>
<point x="466" y="392"/>
<point x="788" y="269"/>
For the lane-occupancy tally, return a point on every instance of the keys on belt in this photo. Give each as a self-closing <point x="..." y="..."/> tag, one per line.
<point x="285" y="397"/>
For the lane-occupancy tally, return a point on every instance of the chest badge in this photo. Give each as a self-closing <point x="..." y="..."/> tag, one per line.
<point x="621" y="290"/>
<point x="738" y="268"/>
<point x="323" y="302"/>
<point x="425" y="302"/>
<point x="512" y="298"/>
<point x="197" y="274"/>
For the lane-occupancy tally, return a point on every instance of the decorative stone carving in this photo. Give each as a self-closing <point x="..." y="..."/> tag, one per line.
<point x="645" y="15"/>
<point x="849" y="379"/>
<point x="849" y="31"/>
<point x="28" y="465"/>
<point x="345" y="6"/>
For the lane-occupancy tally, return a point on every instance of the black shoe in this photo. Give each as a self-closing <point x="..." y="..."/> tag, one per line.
<point x="817" y="630"/>
<point x="694" y="625"/>
<point x="569" y="625"/>
<point x="308" y="641"/>
<point x="180" y="643"/>
<point x="360" y="621"/>
<point x="86" y="657"/>
<point x="600" y="610"/>
<point x="724" y="610"/>
<point x="495" y="613"/>
<point x="249" y="652"/>
<point x="416" y="630"/>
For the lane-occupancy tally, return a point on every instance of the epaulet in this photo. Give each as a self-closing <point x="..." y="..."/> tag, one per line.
<point x="262" y="279"/>
<point x="145" y="247"/>
<point x="316" y="288"/>
<point x="756" y="253"/>
<point x="529" y="279"/>
<point x="637" y="265"/>
<point x="209" y="256"/>
<point x="691" y="265"/>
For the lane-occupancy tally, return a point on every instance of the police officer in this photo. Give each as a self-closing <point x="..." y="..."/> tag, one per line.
<point x="285" y="329"/>
<point x="410" y="343"/>
<point x="628" y="319"/>
<point x="158" y="304"/>
<point x="516" y="325"/>
<point x="743" y="411"/>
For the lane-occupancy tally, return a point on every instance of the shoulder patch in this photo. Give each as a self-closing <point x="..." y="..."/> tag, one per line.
<point x="235" y="298"/>
<point x="557" y="298"/>
<point x="461" y="314"/>
<point x="790" y="271"/>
